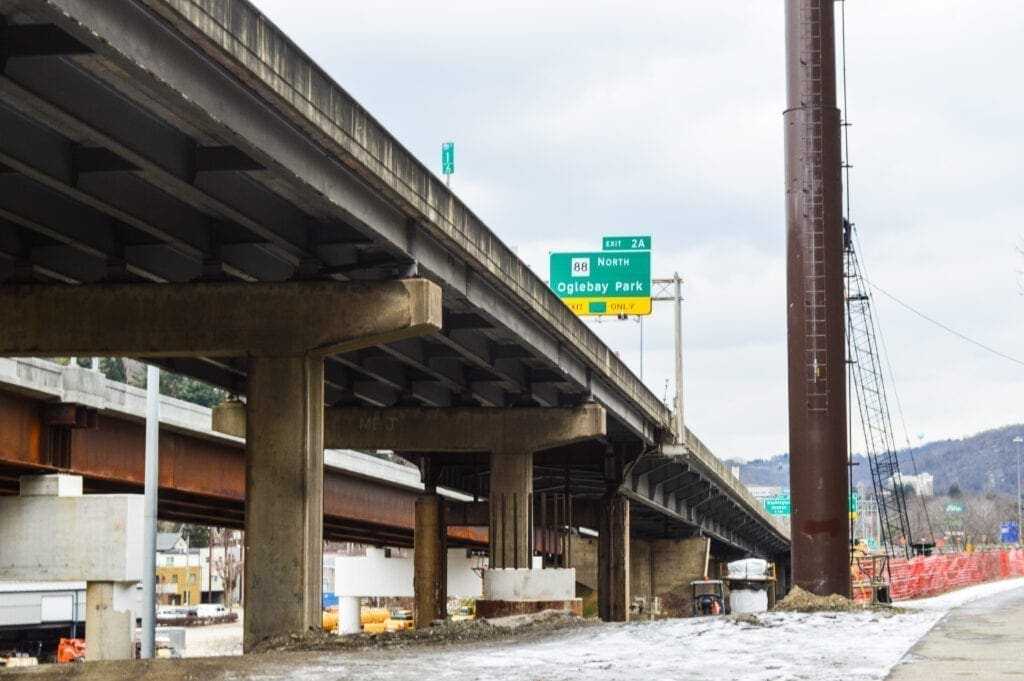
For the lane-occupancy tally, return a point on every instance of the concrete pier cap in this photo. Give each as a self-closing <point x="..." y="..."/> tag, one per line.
<point x="308" y="318"/>
<point x="101" y="545"/>
<point x="438" y="429"/>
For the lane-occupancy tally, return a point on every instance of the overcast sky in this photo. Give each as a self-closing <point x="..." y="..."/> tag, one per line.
<point x="574" y="120"/>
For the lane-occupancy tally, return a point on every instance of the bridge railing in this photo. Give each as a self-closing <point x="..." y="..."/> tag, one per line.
<point x="266" y="59"/>
<point x="722" y="476"/>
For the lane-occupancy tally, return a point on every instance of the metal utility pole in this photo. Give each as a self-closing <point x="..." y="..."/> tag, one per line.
<point x="151" y="477"/>
<point x="676" y="282"/>
<point x="814" y="285"/>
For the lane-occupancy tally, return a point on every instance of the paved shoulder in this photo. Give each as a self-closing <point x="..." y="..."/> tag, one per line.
<point x="983" y="639"/>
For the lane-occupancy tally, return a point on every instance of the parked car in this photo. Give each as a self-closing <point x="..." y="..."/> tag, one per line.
<point x="170" y="612"/>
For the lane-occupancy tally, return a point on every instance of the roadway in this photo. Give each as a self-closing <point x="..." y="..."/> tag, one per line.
<point x="981" y="639"/>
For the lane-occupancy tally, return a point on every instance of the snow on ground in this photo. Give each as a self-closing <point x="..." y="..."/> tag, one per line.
<point x="819" y="646"/>
<point x="213" y="640"/>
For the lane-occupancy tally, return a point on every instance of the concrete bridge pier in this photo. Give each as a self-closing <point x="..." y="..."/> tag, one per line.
<point x="613" y="593"/>
<point x="510" y="436"/>
<point x="284" y="476"/>
<point x="613" y="585"/>
<point x="430" y="556"/>
<point x="285" y="329"/>
<point x="511" y="584"/>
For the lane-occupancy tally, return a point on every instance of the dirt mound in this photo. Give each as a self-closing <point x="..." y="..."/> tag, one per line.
<point x="798" y="600"/>
<point x="442" y="632"/>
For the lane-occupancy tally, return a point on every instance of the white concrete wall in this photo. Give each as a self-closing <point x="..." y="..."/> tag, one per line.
<point x="522" y="584"/>
<point x="86" y="538"/>
<point x="374" y="575"/>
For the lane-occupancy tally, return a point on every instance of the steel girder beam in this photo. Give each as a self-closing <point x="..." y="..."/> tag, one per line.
<point x="201" y="480"/>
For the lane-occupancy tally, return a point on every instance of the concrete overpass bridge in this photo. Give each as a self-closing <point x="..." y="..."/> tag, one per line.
<point x="179" y="182"/>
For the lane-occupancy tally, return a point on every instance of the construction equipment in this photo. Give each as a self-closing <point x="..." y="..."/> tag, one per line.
<point x="708" y="597"/>
<point x="869" y="385"/>
<point x="71" y="650"/>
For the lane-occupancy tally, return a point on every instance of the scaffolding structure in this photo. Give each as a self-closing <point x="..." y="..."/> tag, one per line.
<point x="876" y="424"/>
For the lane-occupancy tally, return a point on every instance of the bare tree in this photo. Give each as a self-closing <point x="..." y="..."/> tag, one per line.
<point x="229" y="567"/>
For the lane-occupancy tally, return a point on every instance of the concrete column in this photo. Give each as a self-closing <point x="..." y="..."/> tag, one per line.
<point x="613" y="560"/>
<point x="510" y="505"/>
<point x="430" y="561"/>
<point x="349" y="617"/>
<point x="110" y="620"/>
<point x="283" y="497"/>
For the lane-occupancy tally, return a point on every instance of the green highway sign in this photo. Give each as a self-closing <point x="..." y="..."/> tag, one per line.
<point x="603" y="283"/>
<point x="955" y="507"/>
<point x="448" y="158"/>
<point x="626" y="243"/>
<point x="778" y="505"/>
<point x="781" y="504"/>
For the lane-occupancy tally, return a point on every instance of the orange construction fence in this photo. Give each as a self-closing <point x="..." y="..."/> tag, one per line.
<point x="930" y="575"/>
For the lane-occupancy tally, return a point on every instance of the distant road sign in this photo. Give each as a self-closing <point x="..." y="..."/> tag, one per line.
<point x="626" y="243"/>
<point x="448" y="158"/>
<point x="782" y="505"/>
<point x="955" y="507"/>
<point x="603" y="283"/>
<point x="778" y="505"/>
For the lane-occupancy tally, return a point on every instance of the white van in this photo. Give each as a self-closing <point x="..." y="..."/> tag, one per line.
<point x="211" y="610"/>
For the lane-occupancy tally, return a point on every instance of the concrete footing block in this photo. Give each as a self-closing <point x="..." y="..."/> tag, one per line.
<point x="521" y="591"/>
<point x="489" y="609"/>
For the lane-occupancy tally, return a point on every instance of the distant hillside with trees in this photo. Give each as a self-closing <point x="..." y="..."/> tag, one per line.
<point x="985" y="463"/>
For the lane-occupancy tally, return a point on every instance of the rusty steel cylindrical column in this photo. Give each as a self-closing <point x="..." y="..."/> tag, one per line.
<point x="814" y="284"/>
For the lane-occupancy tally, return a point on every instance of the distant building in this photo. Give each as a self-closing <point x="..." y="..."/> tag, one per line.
<point x="922" y="484"/>
<point x="183" y="574"/>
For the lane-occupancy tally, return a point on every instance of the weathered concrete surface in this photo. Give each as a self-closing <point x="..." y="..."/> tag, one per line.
<point x="664" y="568"/>
<point x="658" y="568"/>
<point x="980" y="640"/>
<point x="457" y="429"/>
<point x="509" y="506"/>
<point x="289" y="318"/>
<point x="102" y="537"/>
<point x="430" y="572"/>
<point x="110" y="620"/>
<point x="613" y="559"/>
<point x="489" y="609"/>
<point x="284" y="497"/>
<point x="554" y="584"/>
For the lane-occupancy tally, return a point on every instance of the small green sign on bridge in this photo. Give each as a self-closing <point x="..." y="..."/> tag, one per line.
<point x="448" y="158"/>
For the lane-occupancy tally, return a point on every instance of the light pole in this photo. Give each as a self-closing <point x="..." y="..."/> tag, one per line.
<point x="1018" y="440"/>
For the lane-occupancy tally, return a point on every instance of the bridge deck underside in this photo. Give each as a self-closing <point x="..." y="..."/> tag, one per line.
<point x="136" y="148"/>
